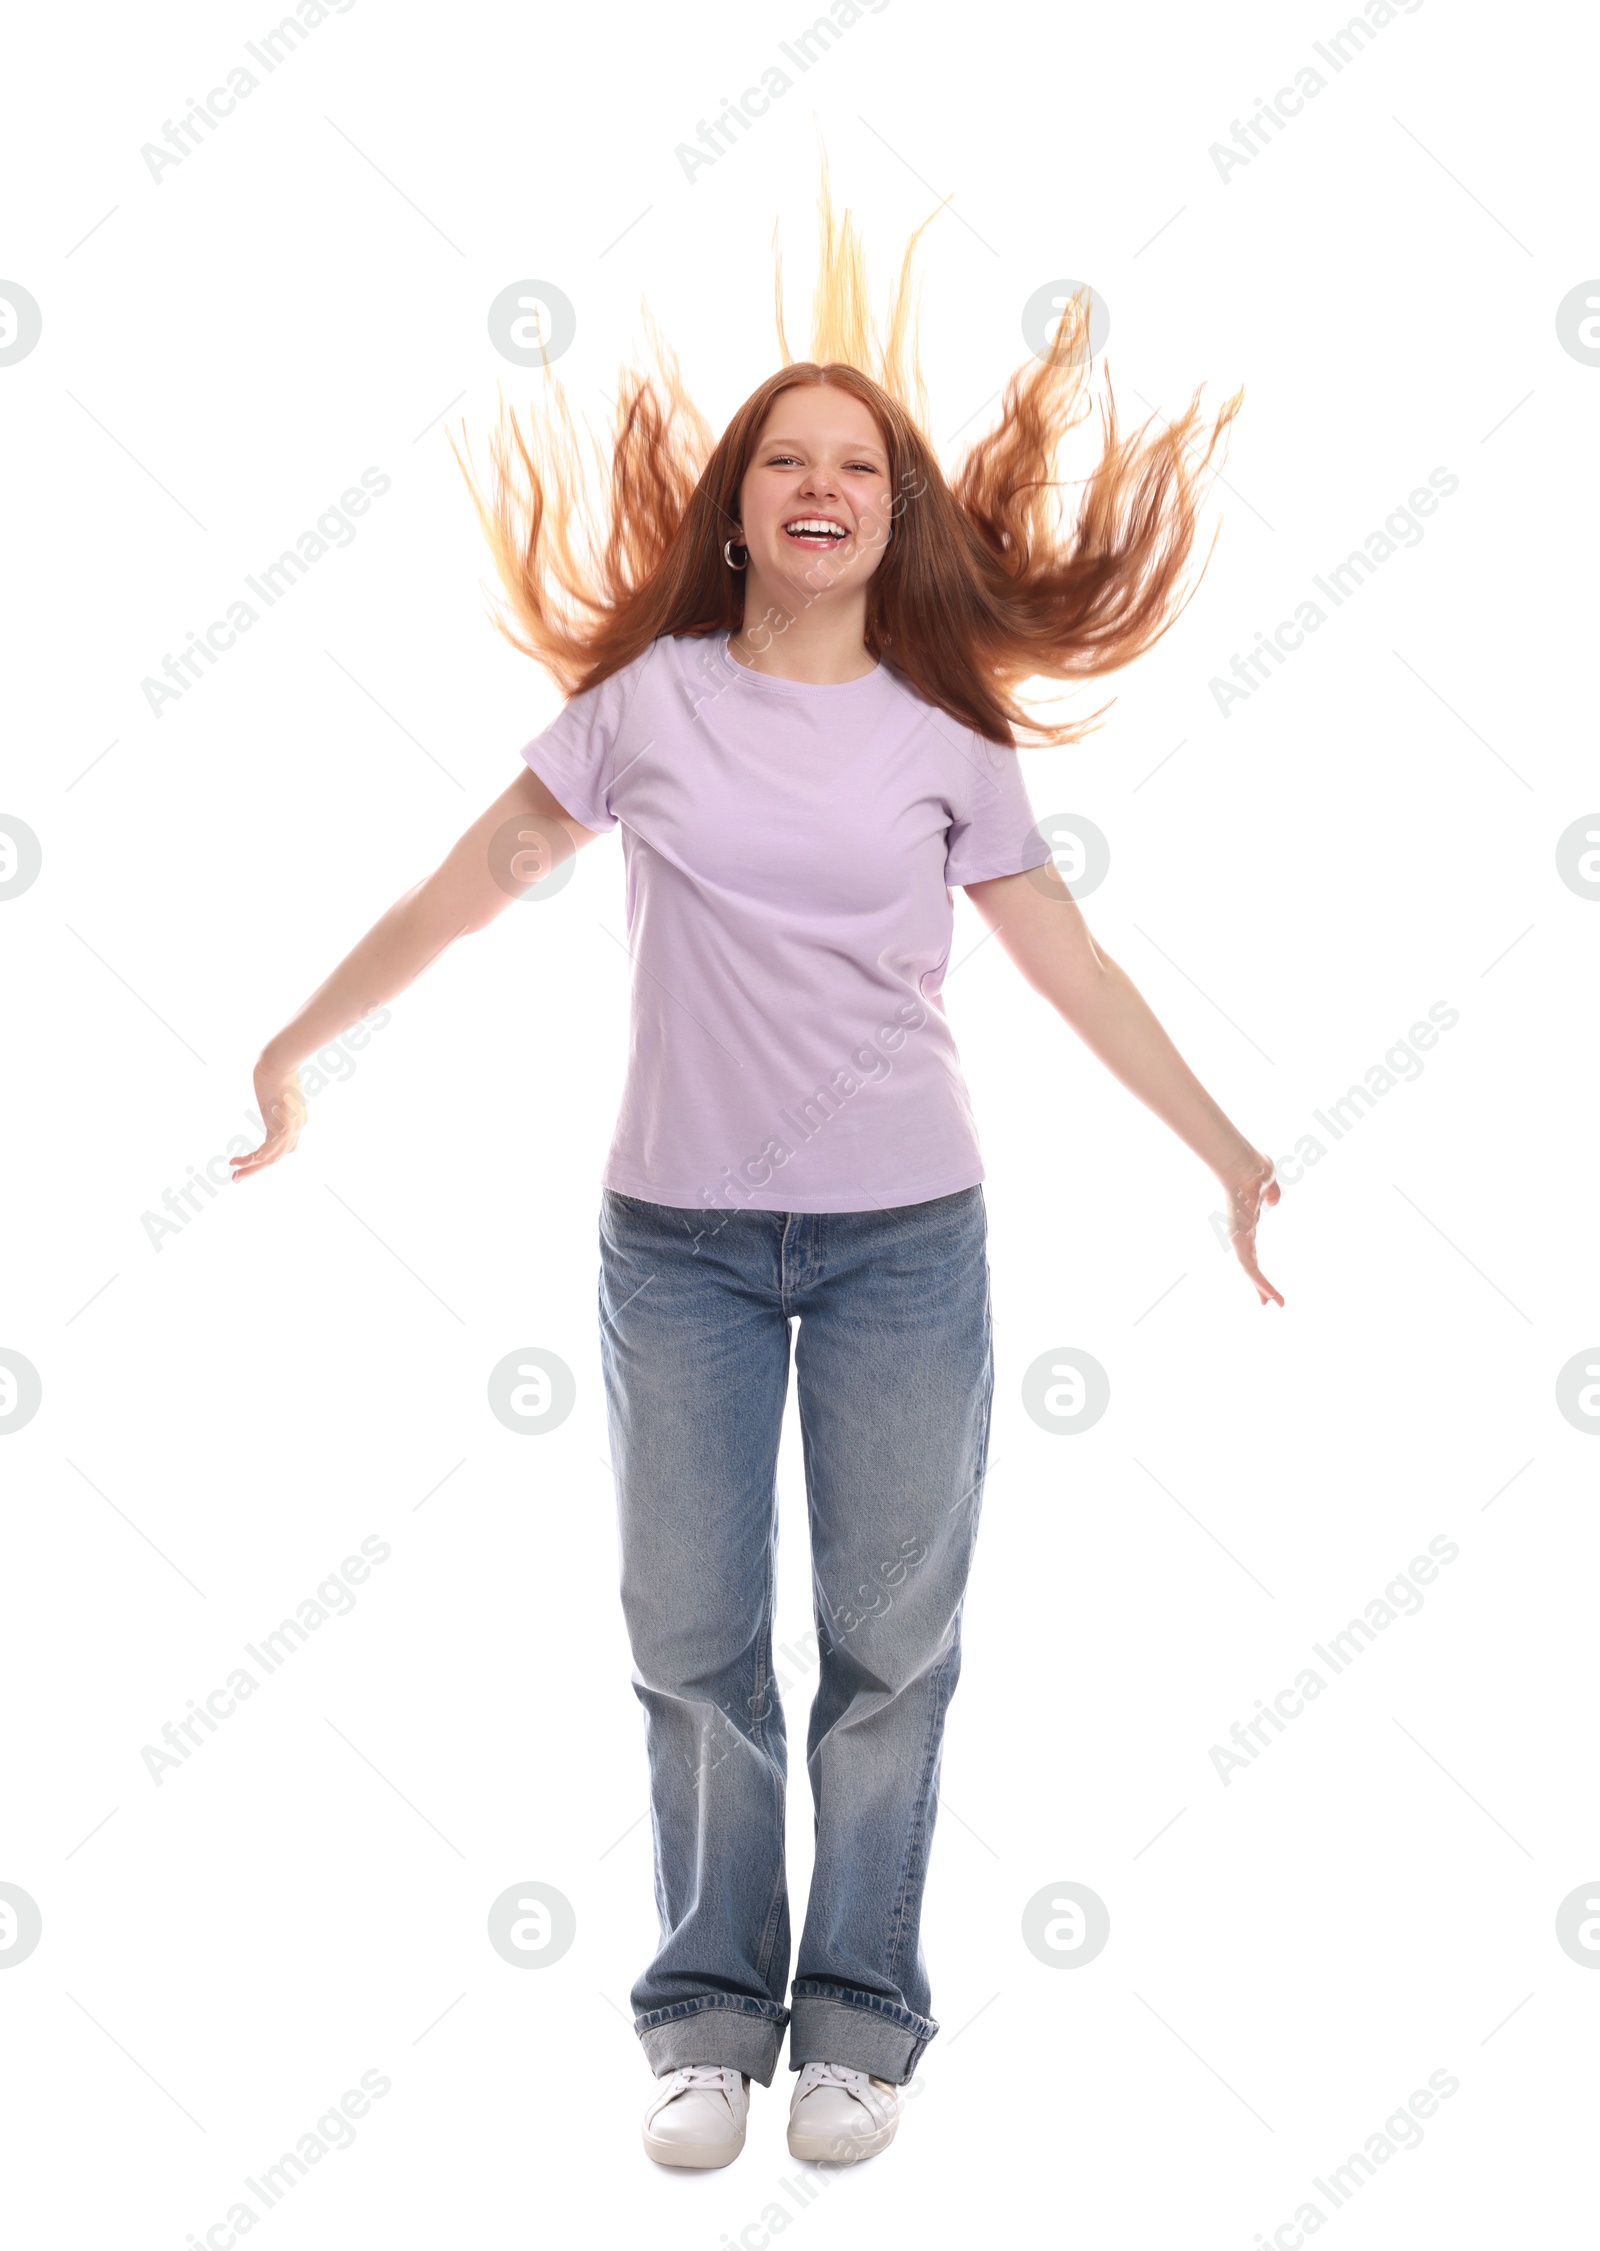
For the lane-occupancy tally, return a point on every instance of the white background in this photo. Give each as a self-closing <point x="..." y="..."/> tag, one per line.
<point x="304" y="1363"/>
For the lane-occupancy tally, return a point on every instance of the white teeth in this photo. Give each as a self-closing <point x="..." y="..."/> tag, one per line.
<point x="816" y="524"/>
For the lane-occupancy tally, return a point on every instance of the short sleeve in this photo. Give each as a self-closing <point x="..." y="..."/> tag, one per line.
<point x="992" y="830"/>
<point x="576" y="754"/>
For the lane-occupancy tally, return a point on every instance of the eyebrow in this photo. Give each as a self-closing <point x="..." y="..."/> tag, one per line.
<point x="864" y="445"/>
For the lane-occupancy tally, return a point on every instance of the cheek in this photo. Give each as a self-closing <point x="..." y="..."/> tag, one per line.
<point x="876" y="511"/>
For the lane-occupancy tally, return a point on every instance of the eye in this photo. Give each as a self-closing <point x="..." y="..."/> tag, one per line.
<point x="870" y="468"/>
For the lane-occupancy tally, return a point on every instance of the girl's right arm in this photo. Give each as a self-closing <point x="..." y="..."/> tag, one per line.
<point x="476" y="881"/>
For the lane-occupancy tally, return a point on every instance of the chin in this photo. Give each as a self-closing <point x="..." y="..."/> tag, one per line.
<point x="810" y="574"/>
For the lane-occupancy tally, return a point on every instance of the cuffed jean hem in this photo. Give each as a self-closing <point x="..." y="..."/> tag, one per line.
<point x="738" y="2033"/>
<point x="829" y="2025"/>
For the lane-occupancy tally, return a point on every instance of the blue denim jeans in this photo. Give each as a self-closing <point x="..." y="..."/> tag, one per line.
<point x="895" y="1372"/>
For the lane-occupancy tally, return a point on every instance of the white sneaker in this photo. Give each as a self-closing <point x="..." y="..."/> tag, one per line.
<point x="842" y="2114"/>
<point x="697" y="2115"/>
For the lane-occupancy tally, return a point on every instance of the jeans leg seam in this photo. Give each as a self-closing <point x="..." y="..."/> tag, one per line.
<point x="941" y="1704"/>
<point x="869" y="2004"/>
<point x="918" y="1835"/>
<point x="771" y="2013"/>
<point x="769" y="1935"/>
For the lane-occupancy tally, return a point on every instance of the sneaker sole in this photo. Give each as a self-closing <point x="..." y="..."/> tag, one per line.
<point x="692" y="2153"/>
<point x="841" y="2149"/>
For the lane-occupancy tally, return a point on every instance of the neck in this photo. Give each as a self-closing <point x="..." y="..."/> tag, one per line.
<point x="793" y="639"/>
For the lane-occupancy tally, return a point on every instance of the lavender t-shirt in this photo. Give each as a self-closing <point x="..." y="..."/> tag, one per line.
<point x="790" y="849"/>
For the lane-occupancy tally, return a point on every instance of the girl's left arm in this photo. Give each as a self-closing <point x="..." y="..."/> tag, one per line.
<point x="1041" y="926"/>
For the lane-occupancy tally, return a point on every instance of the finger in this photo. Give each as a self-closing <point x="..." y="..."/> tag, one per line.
<point x="1245" y="1245"/>
<point x="1264" y="1288"/>
<point x="265" y="1155"/>
<point x="279" y="1143"/>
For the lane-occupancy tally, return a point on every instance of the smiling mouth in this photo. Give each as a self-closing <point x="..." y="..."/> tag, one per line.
<point x="812" y="535"/>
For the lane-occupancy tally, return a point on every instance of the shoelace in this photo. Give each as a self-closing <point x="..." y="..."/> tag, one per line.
<point x="854" y="2083"/>
<point x="686" y="2076"/>
<point x="857" y="2083"/>
<point x="690" y="2075"/>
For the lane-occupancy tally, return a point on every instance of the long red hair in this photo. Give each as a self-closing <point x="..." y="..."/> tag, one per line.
<point x="988" y="581"/>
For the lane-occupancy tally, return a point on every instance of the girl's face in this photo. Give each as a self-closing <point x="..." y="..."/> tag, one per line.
<point x="821" y="462"/>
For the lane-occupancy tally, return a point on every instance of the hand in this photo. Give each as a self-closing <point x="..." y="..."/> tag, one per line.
<point x="283" y="1108"/>
<point x="1247" y="1190"/>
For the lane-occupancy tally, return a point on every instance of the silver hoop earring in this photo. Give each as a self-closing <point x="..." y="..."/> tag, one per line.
<point x="728" y="559"/>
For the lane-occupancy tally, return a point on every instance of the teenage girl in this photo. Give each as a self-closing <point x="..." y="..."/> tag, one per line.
<point x="790" y="674"/>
